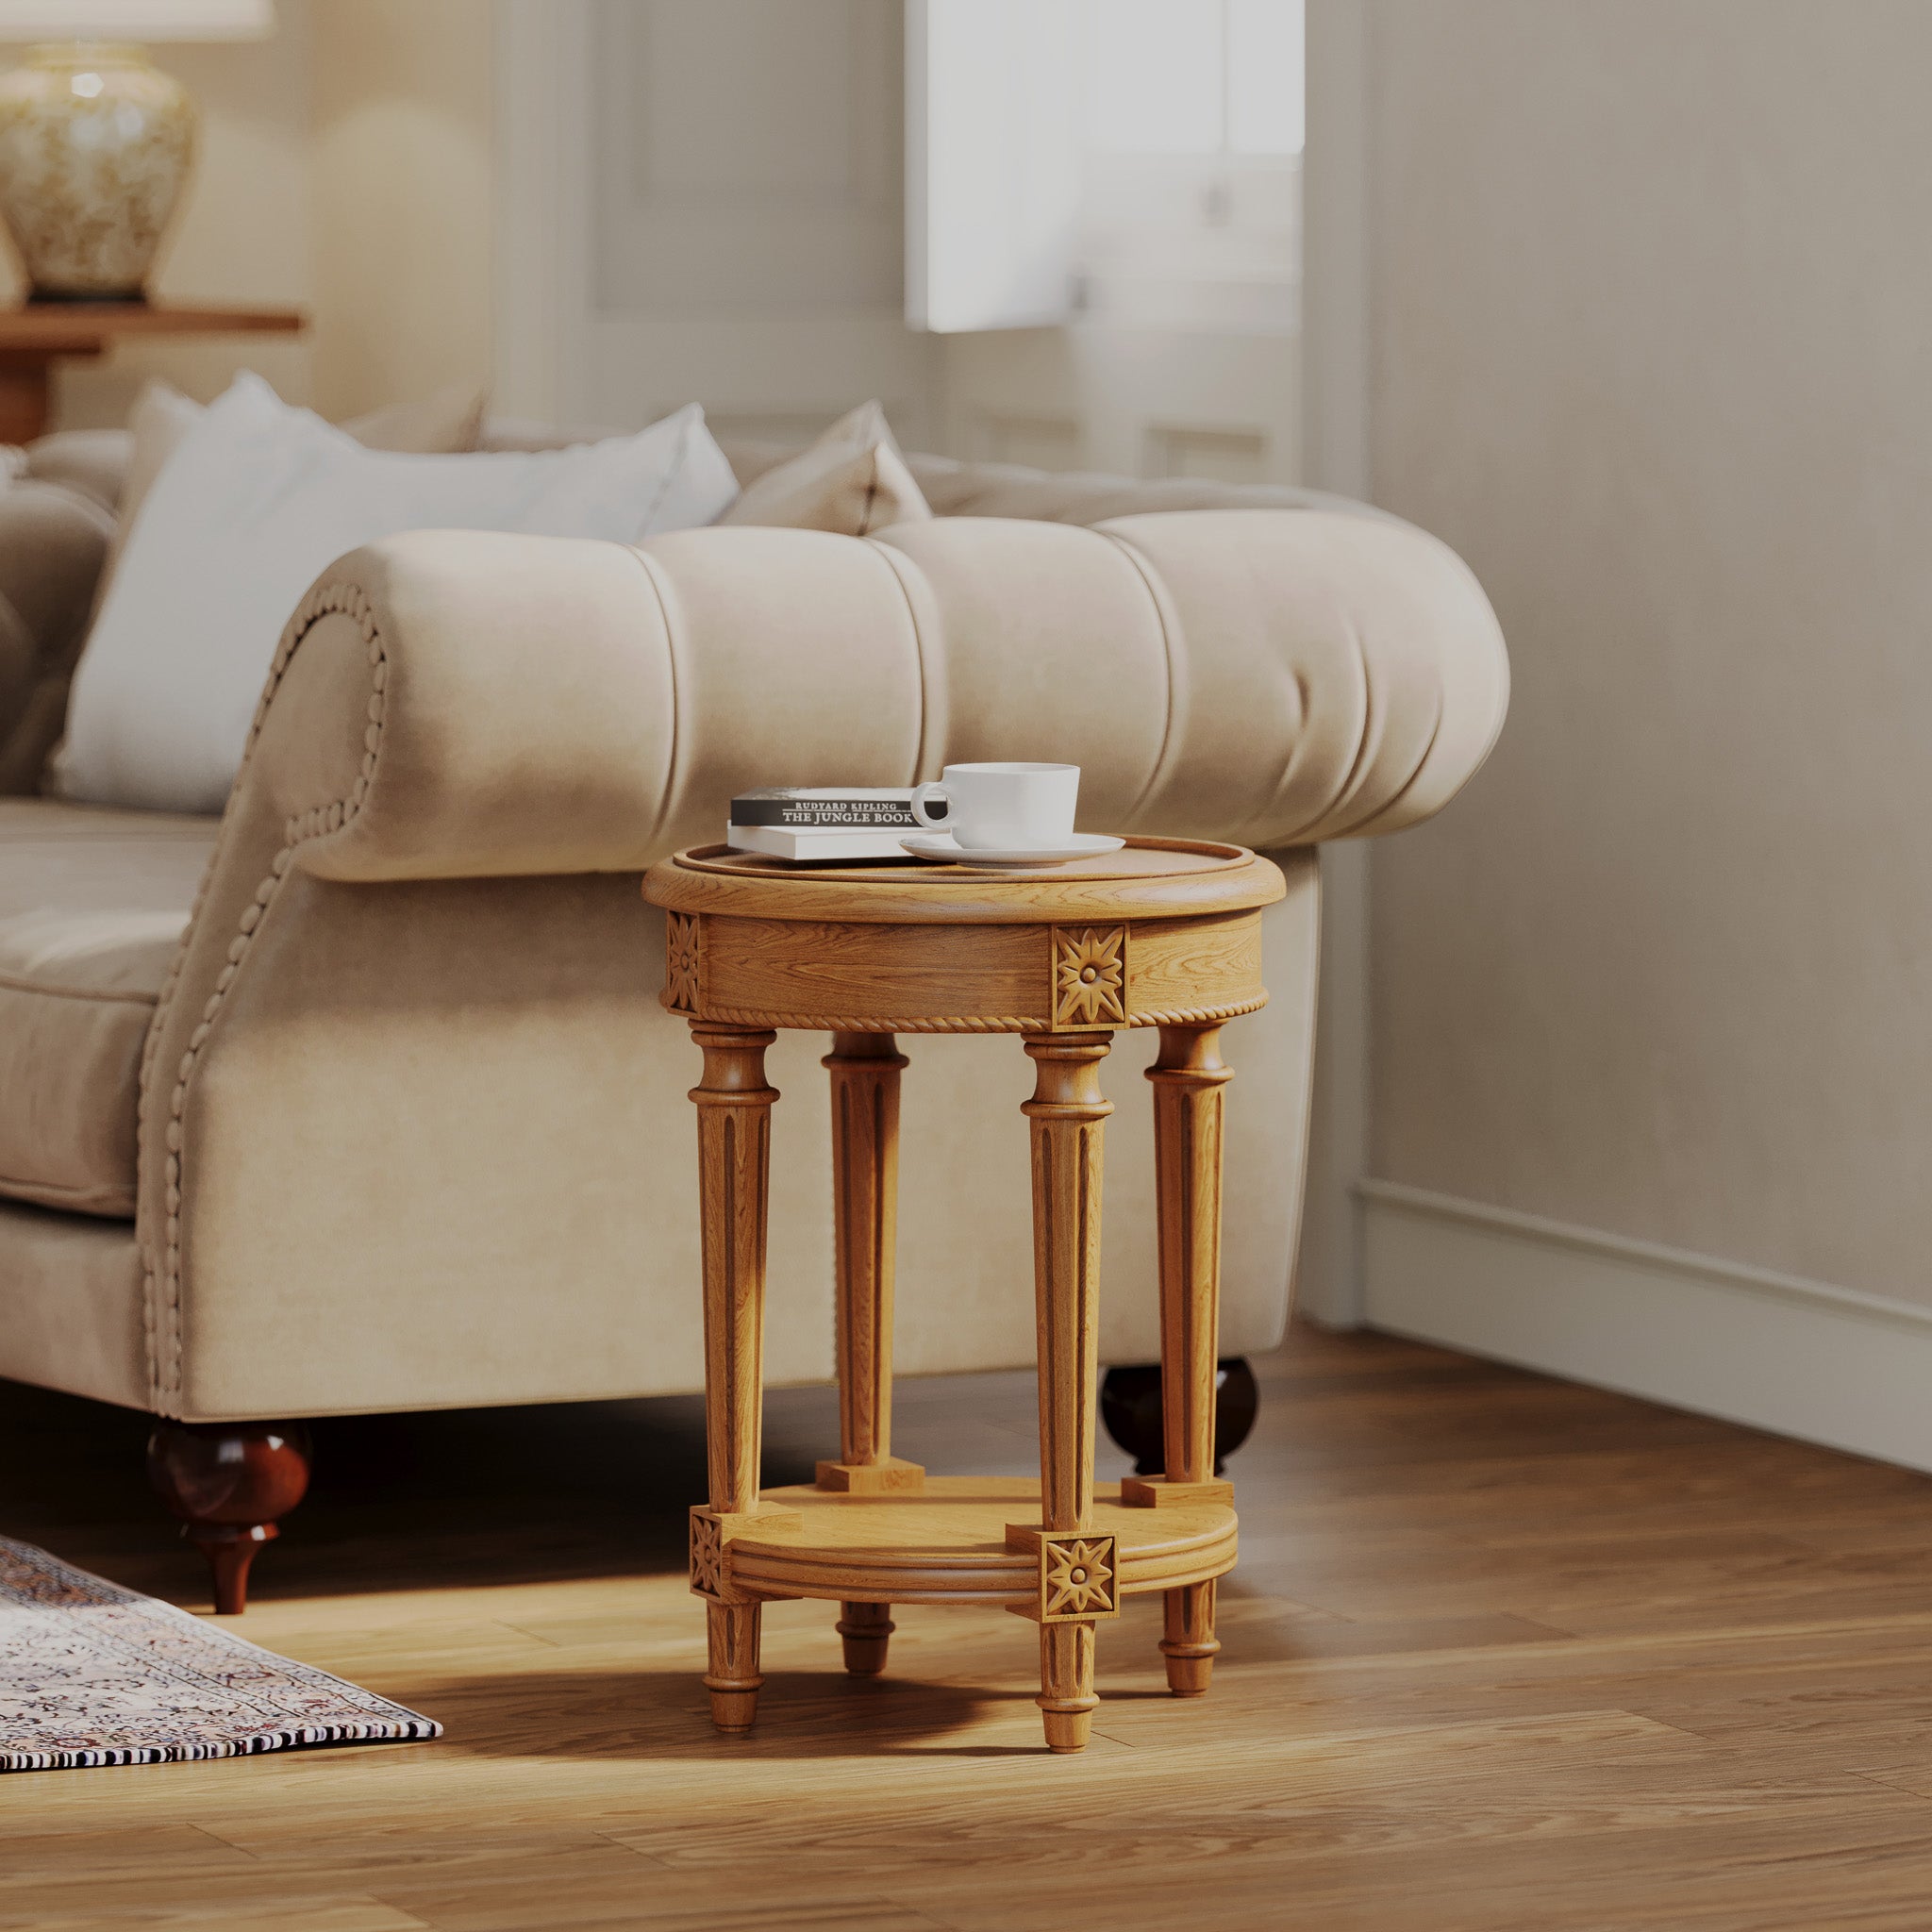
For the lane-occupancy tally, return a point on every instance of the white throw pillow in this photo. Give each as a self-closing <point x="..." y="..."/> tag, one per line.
<point x="259" y="499"/>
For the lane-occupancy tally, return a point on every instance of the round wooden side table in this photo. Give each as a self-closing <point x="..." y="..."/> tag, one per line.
<point x="1165" y="933"/>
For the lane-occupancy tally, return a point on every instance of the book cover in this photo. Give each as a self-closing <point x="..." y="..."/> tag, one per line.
<point x="828" y="807"/>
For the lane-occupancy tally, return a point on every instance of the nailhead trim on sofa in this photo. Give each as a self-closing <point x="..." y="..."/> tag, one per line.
<point x="162" y="1273"/>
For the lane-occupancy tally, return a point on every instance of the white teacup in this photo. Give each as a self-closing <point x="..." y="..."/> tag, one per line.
<point x="1003" y="808"/>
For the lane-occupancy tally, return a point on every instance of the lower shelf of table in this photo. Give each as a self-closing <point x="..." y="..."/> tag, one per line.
<point x="947" y="1543"/>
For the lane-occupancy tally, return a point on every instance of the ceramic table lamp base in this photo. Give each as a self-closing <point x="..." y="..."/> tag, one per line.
<point x="95" y="146"/>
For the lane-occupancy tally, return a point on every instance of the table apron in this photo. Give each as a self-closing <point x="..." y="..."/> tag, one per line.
<point x="980" y="977"/>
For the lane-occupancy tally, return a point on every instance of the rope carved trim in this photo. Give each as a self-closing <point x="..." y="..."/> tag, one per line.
<point x="162" y="1271"/>
<point x="1010" y="1022"/>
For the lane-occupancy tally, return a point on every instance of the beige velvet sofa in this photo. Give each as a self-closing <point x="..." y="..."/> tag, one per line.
<point x="360" y="1098"/>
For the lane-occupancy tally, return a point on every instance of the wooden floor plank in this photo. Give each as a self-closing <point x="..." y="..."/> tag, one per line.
<point x="1502" y="1656"/>
<point x="321" y="1915"/>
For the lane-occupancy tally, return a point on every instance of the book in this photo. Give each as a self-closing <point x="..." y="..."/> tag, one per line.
<point x="803" y="844"/>
<point x="813" y="808"/>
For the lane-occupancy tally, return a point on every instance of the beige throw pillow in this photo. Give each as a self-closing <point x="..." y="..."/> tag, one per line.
<point x="852" y="480"/>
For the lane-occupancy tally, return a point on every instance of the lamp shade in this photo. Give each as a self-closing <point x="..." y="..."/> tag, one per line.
<point x="136" y="20"/>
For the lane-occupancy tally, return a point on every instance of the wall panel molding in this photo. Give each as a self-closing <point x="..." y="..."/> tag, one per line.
<point x="675" y="222"/>
<point x="543" y="183"/>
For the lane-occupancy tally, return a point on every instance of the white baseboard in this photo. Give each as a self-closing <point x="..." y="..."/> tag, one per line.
<point x="1830" y="1365"/>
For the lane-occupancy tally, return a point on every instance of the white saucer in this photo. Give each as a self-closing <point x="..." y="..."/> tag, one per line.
<point x="943" y="847"/>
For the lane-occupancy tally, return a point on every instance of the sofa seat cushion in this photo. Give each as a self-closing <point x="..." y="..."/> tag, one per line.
<point x="92" y="904"/>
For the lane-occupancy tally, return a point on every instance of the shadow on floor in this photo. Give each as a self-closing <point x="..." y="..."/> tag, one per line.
<point x="662" y="1713"/>
<point x="458" y="1497"/>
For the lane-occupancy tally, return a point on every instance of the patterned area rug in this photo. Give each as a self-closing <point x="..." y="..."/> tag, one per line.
<point x="92" y="1674"/>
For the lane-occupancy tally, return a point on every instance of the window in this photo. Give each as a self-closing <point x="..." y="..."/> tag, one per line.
<point x="1189" y="196"/>
<point x="1137" y="160"/>
<point x="1192" y="77"/>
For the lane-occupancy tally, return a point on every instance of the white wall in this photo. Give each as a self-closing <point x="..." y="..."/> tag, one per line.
<point x="402" y="159"/>
<point x="739" y="170"/>
<point x="705" y="203"/>
<point x="1649" y="297"/>
<point x="1335" y="456"/>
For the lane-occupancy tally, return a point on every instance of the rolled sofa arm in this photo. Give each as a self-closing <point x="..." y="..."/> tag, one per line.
<point x="450" y="704"/>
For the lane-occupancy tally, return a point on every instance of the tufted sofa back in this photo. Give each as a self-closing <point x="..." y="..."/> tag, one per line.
<point x="956" y="488"/>
<point x="56" y="510"/>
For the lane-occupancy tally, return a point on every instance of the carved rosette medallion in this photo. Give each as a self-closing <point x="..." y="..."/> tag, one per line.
<point x="1079" y="1577"/>
<point x="1090" y="977"/>
<point x="706" y="1557"/>
<point x="681" y="962"/>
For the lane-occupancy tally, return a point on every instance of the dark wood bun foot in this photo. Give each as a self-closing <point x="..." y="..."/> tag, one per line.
<point x="1131" y="1408"/>
<point x="866" y="1628"/>
<point x="230" y="1484"/>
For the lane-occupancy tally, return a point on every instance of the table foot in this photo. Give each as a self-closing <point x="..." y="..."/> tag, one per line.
<point x="889" y="1475"/>
<point x="866" y="1629"/>
<point x="734" y="1678"/>
<point x="1066" y="1697"/>
<point x="1189" y="1644"/>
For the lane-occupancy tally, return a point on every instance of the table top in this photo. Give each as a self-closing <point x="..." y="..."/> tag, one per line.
<point x="84" y="327"/>
<point x="1149" y="879"/>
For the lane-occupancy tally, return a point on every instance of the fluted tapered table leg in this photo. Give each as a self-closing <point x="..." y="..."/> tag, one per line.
<point x="1078" y="1569"/>
<point x="865" y="1187"/>
<point x="1188" y="1076"/>
<point x="734" y="1166"/>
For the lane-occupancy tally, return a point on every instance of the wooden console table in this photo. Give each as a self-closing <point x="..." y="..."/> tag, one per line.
<point x="32" y="339"/>
<point x="1166" y="933"/>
